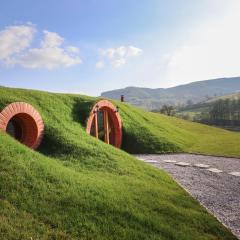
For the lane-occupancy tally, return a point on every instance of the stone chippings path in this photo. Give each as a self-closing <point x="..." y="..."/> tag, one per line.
<point x="213" y="181"/>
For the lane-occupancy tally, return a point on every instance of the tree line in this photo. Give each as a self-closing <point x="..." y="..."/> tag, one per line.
<point x="223" y="112"/>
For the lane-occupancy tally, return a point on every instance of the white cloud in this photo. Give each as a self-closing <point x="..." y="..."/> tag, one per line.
<point x="122" y="51"/>
<point x="51" y="39"/>
<point x="14" y="39"/>
<point x="48" y="58"/>
<point x="73" y="49"/>
<point x="100" y="64"/>
<point x="118" y="56"/>
<point x="118" y="62"/>
<point x="108" y="52"/>
<point x="212" y="49"/>
<point x="132" y="51"/>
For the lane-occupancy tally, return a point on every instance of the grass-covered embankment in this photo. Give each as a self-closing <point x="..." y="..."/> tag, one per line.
<point x="146" y="132"/>
<point x="76" y="187"/>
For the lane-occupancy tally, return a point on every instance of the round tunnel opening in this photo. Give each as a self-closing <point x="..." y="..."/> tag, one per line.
<point x="22" y="122"/>
<point x="23" y="128"/>
<point x="14" y="129"/>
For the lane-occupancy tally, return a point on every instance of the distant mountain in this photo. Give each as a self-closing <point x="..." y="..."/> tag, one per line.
<point x="193" y="92"/>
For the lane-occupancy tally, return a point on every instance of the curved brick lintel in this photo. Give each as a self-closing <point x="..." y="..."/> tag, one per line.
<point x="29" y="117"/>
<point x="115" y="117"/>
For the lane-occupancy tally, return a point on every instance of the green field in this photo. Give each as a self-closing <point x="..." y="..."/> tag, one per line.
<point x="76" y="187"/>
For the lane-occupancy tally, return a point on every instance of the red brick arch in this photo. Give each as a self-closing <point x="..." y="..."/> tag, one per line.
<point x="112" y="120"/>
<point x="25" y="120"/>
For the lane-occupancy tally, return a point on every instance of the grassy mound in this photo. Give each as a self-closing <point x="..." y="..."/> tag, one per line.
<point x="146" y="132"/>
<point x="76" y="187"/>
<point x="65" y="117"/>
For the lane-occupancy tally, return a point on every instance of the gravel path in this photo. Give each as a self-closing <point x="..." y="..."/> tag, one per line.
<point x="214" y="182"/>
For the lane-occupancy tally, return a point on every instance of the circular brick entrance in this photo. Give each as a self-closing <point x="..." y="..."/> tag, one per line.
<point x="104" y="123"/>
<point x="23" y="122"/>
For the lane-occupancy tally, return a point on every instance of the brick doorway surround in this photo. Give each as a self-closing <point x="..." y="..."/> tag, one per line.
<point x="23" y="122"/>
<point x="112" y="124"/>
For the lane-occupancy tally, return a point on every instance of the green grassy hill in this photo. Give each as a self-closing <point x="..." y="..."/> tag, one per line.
<point x="76" y="187"/>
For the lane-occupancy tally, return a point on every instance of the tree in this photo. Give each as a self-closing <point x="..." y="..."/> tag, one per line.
<point x="167" y="110"/>
<point x="225" y="112"/>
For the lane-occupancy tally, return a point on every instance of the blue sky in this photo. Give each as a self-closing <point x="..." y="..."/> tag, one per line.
<point x="93" y="46"/>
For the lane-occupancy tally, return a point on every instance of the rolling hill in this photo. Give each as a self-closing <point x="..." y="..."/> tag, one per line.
<point x="77" y="187"/>
<point x="150" y="99"/>
<point x="205" y="106"/>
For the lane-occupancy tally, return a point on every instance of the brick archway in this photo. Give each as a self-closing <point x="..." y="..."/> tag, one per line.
<point x="23" y="122"/>
<point x="104" y="123"/>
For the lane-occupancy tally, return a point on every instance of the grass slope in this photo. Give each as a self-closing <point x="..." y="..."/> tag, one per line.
<point x="76" y="187"/>
<point x="146" y="132"/>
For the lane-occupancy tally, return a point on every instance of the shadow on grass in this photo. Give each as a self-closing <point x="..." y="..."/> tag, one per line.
<point x="81" y="110"/>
